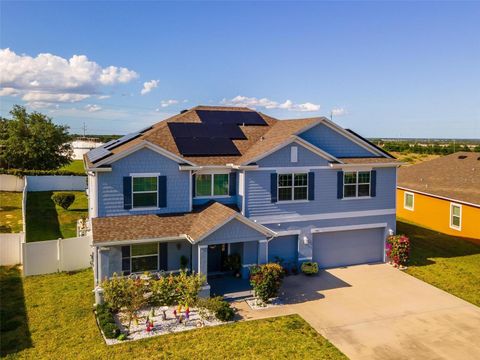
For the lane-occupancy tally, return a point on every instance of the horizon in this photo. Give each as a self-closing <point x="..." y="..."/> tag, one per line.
<point x="385" y="70"/>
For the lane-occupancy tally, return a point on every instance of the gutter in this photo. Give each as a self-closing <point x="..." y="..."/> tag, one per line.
<point x="366" y="165"/>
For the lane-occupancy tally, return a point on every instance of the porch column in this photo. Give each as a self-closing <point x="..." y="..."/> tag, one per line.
<point x="101" y="264"/>
<point x="203" y="268"/>
<point x="263" y="252"/>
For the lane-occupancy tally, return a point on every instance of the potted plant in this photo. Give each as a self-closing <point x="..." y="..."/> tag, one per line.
<point x="310" y="268"/>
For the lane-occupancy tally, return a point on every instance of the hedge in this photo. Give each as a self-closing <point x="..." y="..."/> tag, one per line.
<point x="21" y="172"/>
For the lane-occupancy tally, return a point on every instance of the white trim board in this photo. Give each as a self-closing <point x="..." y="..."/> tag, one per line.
<point x="348" y="228"/>
<point x="142" y="241"/>
<point x="325" y="216"/>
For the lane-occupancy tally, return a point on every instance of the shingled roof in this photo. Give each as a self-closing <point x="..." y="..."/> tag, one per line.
<point x="455" y="176"/>
<point x="194" y="225"/>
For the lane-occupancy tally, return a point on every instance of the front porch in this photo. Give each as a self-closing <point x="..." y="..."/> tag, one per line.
<point x="230" y="287"/>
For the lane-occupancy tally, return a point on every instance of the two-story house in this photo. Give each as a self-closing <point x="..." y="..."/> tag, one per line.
<point x="213" y="181"/>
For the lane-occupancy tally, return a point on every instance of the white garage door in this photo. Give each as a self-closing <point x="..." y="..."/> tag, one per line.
<point x="341" y="248"/>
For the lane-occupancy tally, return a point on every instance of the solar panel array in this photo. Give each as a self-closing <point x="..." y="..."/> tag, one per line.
<point x="206" y="146"/>
<point x="201" y="130"/>
<point x="231" y="117"/>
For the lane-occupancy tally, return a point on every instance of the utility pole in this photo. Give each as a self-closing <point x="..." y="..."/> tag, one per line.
<point x="84" y="129"/>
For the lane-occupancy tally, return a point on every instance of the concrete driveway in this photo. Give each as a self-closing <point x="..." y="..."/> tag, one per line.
<point x="378" y="312"/>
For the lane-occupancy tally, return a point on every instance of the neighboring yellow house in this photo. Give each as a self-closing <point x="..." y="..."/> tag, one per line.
<point x="442" y="194"/>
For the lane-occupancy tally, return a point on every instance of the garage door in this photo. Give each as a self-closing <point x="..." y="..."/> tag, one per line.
<point x="341" y="248"/>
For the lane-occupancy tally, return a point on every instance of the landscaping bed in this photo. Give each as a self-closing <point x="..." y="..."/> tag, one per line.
<point x="48" y="221"/>
<point x="10" y="212"/>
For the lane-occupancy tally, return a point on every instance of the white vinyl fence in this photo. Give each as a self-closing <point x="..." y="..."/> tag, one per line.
<point x="11" y="248"/>
<point x="56" y="183"/>
<point x="11" y="183"/>
<point x="45" y="257"/>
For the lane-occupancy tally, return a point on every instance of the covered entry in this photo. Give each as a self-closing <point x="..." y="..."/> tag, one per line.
<point x="348" y="247"/>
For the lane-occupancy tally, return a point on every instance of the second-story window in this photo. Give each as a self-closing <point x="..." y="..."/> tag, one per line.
<point x="292" y="187"/>
<point x="211" y="184"/>
<point x="356" y="184"/>
<point x="144" y="191"/>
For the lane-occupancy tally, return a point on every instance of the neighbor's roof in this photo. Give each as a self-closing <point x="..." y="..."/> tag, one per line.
<point x="370" y="160"/>
<point x="259" y="139"/>
<point x="195" y="224"/>
<point x="455" y="176"/>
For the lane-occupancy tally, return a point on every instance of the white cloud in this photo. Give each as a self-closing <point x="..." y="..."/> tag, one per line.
<point x="166" y="103"/>
<point x="339" y="111"/>
<point x="93" y="108"/>
<point x="253" y="102"/>
<point x="149" y="86"/>
<point x="50" y="79"/>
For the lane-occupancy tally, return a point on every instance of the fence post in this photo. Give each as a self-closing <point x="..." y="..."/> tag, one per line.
<point x="59" y="254"/>
<point x="24" y="251"/>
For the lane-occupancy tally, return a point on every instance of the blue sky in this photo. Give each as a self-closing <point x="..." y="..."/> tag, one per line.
<point x="386" y="69"/>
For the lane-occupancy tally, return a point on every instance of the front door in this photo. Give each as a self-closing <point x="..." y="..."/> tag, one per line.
<point x="216" y="257"/>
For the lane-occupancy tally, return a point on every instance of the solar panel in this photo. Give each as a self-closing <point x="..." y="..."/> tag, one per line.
<point x="123" y="140"/>
<point x="201" y="130"/>
<point x="98" y="153"/>
<point x="206" y="146"/>
<point x="231" y="117"/>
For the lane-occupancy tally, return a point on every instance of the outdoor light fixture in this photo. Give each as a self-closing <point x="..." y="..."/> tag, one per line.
<point x="390" y="232"/>
<point x="305" y="240"/>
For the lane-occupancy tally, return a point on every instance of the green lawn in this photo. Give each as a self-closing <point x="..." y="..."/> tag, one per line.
<point x="75" y="166"/>
<point x="10" y="212"/>
<point x="54" y="320"/>
<point x="47" y="221"/>
<point x="447" y="262"/>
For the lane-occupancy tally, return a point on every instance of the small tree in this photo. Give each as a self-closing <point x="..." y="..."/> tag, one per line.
<point x="188" y="287"/>
<point x="266" y="280"/>
<point x="63" y="199"/>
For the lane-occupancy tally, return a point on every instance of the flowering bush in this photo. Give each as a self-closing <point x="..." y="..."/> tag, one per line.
<point x="398" y="249"/>
<point x="266" y="280"/>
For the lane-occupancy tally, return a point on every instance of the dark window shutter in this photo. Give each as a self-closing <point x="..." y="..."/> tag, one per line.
<point x="340" y="185"/>
<point x="232" y="184"/>
<point x="126" y="260"/>
<point x="273" y="187"/>
<point x="373" y="183"/>
<point x="163" y="257"/>
<point x="127" y="192"/>
<point x="162" y="191"/>
<point x="194" y="179"/>
<point x="311" y="185"/>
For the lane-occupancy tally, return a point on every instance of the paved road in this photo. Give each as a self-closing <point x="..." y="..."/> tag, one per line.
<point x="378" y="312"/>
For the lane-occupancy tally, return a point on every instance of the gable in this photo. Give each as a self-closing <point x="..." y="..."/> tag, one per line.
<point x="145" y="160"/>
<point x="282" y="157"/>
<point x="334" y="143"/>
<point x="231" y="232"/>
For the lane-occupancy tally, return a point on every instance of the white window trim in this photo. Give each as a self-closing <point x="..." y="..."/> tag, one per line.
<point x="405" y="201"/>
<point x="357" y="183"/>
<point x="452" y="226"/>
<point x="212" y="185"/>
<point x="292" y="200"/>
<point x="140" y="256"/>
<point x="140" y="208"/>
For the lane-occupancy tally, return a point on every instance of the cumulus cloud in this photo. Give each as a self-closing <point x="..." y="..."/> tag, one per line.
<point x="93" y="108"/>
<point x="339" y="111"/>
<point x="253" y="102"/>
<point x="149" y="86"/>
<point x="48" y="78"/>
<point x="167" y="103"/>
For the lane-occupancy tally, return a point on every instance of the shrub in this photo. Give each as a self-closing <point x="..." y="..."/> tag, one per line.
<point x="398" y="249"/>
<point x="310" y="268"/>
<point x="225" y="312"/>
<point x="217" y="306"/>
<point x="266" y="280"/>
<point x="107" y="322"/>
<point x="63" y="199"/>
<point x="111" y="331"/>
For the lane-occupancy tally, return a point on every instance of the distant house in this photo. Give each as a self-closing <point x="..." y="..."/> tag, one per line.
<point x="442" y="194"/>
<point x="83" y="145"/>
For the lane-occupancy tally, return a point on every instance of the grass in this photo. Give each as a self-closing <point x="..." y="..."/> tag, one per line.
<point x="75" y="166"/>
<point x="413" y="158"/>
<point x="10" y="212"/>
<point x="447" y="262"/>
<point x="61" y="324"/>
<point x="47" y="221"/>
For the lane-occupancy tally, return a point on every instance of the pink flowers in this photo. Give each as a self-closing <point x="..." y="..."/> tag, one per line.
<point x="398" y="249"/>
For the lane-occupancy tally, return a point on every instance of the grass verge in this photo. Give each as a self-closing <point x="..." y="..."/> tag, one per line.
<point x="61" y="324"/>
<point x="447" y="262"/>
<point x="47" y="221"/>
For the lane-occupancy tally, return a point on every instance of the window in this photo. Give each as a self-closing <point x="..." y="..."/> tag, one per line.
<point x="144" y="191"/>
<point x="408" y="200"/>
<point x="292" y="187"/>
<point x="356" y="184"/>
<point x="144" y="257"/>
<point x="456" y="216"/>
<point x="211" y="184"/>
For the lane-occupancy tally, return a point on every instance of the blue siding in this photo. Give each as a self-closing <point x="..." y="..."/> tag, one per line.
<point x="334" y="143"/>
<point x="233" y="231"/>
<point x="283" y="247"/>
<point x="175" y="250"/>
<point x="110" y="185"/>
<point x="282" y="158"/>
<point x="258" y="200"/>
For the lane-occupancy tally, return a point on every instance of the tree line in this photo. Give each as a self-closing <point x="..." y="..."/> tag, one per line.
<point x="436" y="149"/>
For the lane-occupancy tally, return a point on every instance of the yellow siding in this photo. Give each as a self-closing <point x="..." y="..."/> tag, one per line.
<point x="434" y="213"/>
